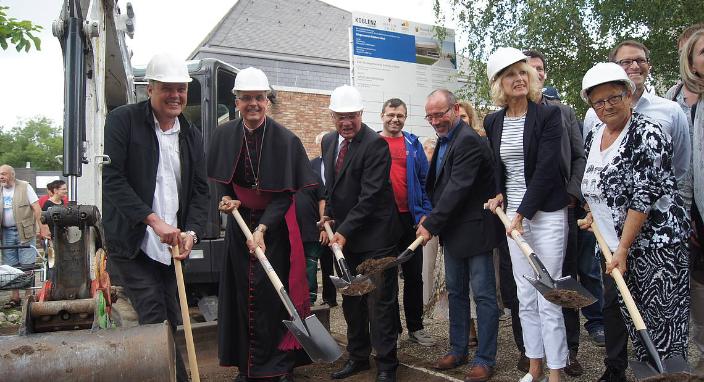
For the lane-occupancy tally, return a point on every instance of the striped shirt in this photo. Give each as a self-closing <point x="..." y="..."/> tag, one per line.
<point x="512" y="157"/>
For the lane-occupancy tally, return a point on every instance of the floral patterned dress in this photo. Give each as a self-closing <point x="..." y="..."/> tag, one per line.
<point x="640" y="178"/>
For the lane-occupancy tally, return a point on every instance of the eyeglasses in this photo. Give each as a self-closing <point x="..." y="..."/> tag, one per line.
<point x="248" y="98"/>
<point x="392" y="116"/>
<point x="613" y="100"/>
<point x="431" y="117"/>
<point x="345" y="117"/>
<point x="628" y="62"/>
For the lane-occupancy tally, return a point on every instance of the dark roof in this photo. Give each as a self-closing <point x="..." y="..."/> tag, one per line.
<point x="308" y="33"/>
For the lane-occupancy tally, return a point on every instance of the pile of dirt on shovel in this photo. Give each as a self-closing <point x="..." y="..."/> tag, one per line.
<point x="673" y="377"/>
<point x="374" y="266"/>
<point x="567" y="298"/>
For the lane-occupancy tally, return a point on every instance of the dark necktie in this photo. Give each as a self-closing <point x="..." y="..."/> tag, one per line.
<point x="341" y="156"/>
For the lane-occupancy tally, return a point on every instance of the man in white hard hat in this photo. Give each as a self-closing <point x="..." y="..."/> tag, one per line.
<point x="634" y="58"/>
<point x="361" y="202"/>
<point x="576" y="261"/>
<point x="155" y="192"/>
<point x="259" y="165"/>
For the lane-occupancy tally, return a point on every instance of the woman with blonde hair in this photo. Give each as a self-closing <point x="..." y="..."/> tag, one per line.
<point x="692" y="74"/>
<point x="470" y="117"/>
<point x="525" y="137"/>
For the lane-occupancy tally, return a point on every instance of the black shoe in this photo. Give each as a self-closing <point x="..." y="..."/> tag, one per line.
<point x="386" y="376"/>
<point x="351" y="367"/>
<point x="331" y="304"/>
<point x="573" y="368"/>
<point x="612" y="375"/>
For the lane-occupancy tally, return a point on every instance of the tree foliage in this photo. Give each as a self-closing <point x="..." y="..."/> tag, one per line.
<point x="36" y="140"/>
<point x="573" y="34"/>
<point x="20" y="33"/>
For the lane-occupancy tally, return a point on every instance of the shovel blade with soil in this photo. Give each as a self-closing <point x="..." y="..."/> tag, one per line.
<point x="311" y="334"/>
<point x="564" y="291"/>
<point x="347" y="284"/>
<point x="671" y="369"/>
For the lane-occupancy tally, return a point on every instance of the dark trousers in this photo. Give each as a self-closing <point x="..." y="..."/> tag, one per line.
<point x="371" y="319"/>
<point x="412" y="278"/>
<point x="570" y="268"/>
<point x="509" y="294"/>
<point x="326" y="268"/>
<point x="614" y="327"/>
<point x="151" y="288"/>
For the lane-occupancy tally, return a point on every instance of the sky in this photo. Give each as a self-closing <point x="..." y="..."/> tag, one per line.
<point x="33" y="82"/>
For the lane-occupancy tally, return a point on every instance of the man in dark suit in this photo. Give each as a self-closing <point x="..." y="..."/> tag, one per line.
<point x="459" y="182"/>
<point x="361" y="202"/>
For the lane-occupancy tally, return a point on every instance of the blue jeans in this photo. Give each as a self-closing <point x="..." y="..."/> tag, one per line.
<point x="459" y="272"/>
<point x="590" y="278"/>
<point x="13" y="257"/>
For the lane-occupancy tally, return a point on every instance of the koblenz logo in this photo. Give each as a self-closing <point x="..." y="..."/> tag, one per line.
<point x="362" y="20"/>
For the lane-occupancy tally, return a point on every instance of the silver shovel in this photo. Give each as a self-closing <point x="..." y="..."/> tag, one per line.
<point x="346" y="279"/>
<point x="311" y="333"/>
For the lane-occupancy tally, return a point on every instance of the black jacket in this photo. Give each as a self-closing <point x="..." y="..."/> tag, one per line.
<point x="458" y="193"/>
<point x="542" y="134"/>
<point x="360" y="198"/>
<point x="130" y="179"/>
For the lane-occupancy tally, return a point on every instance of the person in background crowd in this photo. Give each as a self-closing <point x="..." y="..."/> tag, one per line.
<point x="572" y="168"/>
<point x="20" y="223"/>
<point x="459" y="182"/>
<point x="360" y="200"/>
<point x="692" y="75"/>
<point x="154" y="189"/>
<point x="686" y="99"/>
<point x="531" y="186"/>
<point x="326" y="256"/>
<point x="409" y="168"/>
<point x="58" y="190"/>
<point x="259" y="165"/>
<point x="470" y="117"/>
<point x="430" y="249"/>
<point x="642" y="220"/>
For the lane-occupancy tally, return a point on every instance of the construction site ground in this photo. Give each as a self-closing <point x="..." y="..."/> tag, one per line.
<point x="416" y="360"/>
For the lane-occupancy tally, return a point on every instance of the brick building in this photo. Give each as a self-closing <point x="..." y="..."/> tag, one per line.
<point x="301" y="45"/>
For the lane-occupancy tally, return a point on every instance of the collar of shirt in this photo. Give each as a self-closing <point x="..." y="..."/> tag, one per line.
<point x="254" y="129"/>
<point x="175" y="129"/>
<point x="645" y="98"/>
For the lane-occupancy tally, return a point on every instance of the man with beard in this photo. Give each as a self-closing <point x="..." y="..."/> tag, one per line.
<point x="259" y="165"/>
<point x="361" y="202"/>
<point x="154" y="188"/>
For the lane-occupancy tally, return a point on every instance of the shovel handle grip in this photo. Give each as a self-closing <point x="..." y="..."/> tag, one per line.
<point x="517" y="237"/>
<point x="418" y="241"/>
<point x="190" y="345"/>
<point x="273" y="277"/>
<point x="335" y="248"/>
<point x="618" y="278"/>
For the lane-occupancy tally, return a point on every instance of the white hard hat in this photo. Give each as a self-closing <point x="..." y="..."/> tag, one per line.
<point x="164" y="67"/>
<point x="346" y="99"/>
<point x="251" y="79"/>
<point x="602" y="73"/>
<point x="501" y="59"/>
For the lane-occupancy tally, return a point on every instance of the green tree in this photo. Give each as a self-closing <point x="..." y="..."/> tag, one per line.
<point x="20" y="33"/>
<point x="573" y="34"/>
<point x="36" y="140"/>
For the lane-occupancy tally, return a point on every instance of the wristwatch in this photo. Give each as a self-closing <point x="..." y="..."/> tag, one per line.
<point x="194" y="236"/>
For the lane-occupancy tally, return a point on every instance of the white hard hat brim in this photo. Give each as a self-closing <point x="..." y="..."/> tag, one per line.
<point x="171" y="80"/>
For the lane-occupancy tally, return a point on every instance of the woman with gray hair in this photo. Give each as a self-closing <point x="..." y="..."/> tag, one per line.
<point x="525" y="137"/>
<point x="631" y="194"/>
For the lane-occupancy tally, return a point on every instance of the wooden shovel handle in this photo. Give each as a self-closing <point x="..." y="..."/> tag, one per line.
<point x="618" y="278"/>
<point x="335" y="248"/>
<point x="190" y="345"/>
<point x="517" y="237"/>
<point x="418" y="241"/>
<point x="273" y="277"/>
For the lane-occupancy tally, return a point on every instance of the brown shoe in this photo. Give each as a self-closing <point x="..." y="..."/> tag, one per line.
<point x="450" y="362"/>
<point x="479" y="373"/>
